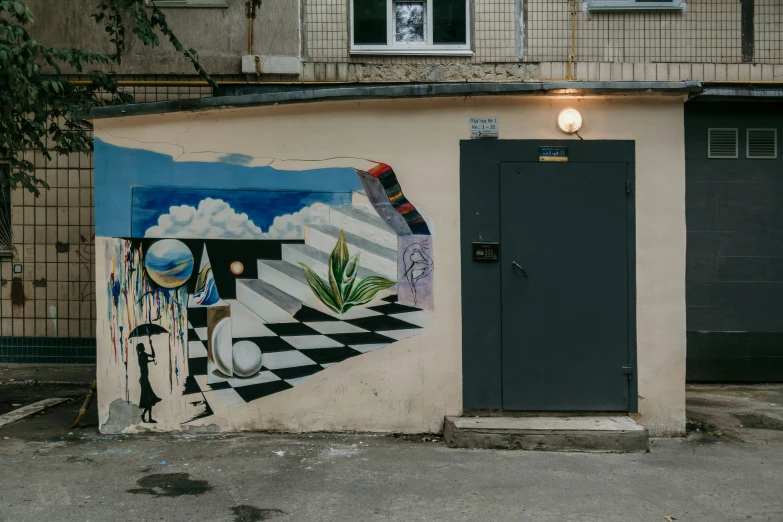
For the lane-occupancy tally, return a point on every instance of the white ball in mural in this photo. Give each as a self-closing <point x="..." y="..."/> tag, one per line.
<point x="247" y="358"/>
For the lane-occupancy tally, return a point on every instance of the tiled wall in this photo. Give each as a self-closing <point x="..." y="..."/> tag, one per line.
<point x="53" y="248"/>
<point x="734" y="274"/>
<point x="710" y="32"/>
<point x="47" y="350"/>
<point x="53" y="240"/>
<point x="53" y="235"/>
<point x="769" y="31"/>
<point x="495" y="29"/>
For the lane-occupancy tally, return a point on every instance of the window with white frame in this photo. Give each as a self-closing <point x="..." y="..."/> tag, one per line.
<point x="410" y="27"/>
<point x="635" y="5"/>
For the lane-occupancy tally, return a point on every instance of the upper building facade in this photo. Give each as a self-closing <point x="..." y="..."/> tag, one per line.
<point x="616" y="210"/>
<point x="453" y="40"/>
<point x="48" y="289"/>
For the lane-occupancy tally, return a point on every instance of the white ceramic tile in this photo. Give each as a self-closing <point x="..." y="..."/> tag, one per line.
<point x="202" y="381"/>
<point x="358" y="312"/>
<point x="196" y="349"/>
<point x="214" y="375"/>
<point x="299" y="380"/>
<point x="335" y="327"/>
<point x="244" y="323"/>
<point x="222" y="400"/>
<point x="364" y="348"/>
<point x="277" y="360"/>
<point x="419" y="318"/>
<point x="401" y="334"/>
<point x="259" y="378"/>
<point x="310" y="342"/>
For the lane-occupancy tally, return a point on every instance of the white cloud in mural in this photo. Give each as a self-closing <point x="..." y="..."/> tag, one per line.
<point x="290" y="226"/>
<point x="215" y="219"/>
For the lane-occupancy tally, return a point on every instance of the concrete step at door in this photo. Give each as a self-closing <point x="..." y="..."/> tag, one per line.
<point x="616" y="434"/>
<point x="363" y="224"/>
<point x="373" y="257"/>
<point x="270" y="303"/>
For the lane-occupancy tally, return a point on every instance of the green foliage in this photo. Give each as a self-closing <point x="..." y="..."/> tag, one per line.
<point x="343" y="292"/>
<point x="40" y="111"/>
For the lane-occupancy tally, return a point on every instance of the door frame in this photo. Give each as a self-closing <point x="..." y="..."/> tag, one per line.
<point x="481" y="281"/>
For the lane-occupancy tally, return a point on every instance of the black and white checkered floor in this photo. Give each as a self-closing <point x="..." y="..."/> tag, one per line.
<point x="296" y="350"/>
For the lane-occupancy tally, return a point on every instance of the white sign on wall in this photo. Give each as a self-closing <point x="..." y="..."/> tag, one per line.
<point x="484" y="128"/>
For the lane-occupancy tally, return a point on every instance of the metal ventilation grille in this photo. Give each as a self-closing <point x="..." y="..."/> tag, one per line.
<point x="722" y="143"/>
<point x="762" y="143"/>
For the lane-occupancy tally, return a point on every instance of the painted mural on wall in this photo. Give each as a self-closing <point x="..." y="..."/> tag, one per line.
<point x="226" y="283"/>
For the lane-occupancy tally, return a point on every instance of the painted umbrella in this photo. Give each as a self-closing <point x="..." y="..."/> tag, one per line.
<point x="149" y="330"/>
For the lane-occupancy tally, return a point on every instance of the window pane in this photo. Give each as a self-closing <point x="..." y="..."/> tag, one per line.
<point x="409" y="22"/>
<point x="448" y="22"/>
<point x="369" y="22"/>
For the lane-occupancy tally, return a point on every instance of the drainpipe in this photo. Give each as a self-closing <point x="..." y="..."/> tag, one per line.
<point x="253" y="63"/>
<point x="570" y="72"/>
<point x="250" y="12"/>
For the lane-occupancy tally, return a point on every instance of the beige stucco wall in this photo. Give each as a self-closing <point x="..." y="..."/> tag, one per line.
<point x="409" y="386"/>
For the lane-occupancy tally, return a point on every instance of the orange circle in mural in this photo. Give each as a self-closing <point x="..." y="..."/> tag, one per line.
<point x="237" y="268"/>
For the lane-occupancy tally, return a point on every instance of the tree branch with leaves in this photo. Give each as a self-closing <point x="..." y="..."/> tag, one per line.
<point x="39" y="108"/>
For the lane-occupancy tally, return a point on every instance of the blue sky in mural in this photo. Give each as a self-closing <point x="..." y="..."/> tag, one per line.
<point x="201" y="209"/>
<point x="117" y="169"/>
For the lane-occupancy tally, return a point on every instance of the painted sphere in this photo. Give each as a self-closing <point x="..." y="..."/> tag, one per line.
<point x="247" y="358"/>
<point x="237" y="268"/>
<point x="169" y="263"/>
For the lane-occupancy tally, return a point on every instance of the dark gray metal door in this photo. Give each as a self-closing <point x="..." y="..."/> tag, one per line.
<point x="564" y="285"/>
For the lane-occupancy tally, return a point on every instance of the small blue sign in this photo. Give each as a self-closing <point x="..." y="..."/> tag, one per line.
<point x="553" y="154"/>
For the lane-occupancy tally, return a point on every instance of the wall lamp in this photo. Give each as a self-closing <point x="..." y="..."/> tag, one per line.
<point x="569" y="120"/>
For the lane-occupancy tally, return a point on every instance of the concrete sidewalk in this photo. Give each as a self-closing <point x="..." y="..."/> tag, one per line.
<point x="51" y="373"/>
<point x="365" y="477"/>
<point x="53" y="473"/>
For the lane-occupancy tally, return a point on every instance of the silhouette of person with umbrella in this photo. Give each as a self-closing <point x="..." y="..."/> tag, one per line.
<point x="147" y="397"/>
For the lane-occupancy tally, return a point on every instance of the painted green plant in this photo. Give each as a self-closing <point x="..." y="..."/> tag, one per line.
<point x="344" y="290"/>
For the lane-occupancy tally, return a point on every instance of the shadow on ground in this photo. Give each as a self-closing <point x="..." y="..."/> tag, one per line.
<point x="743" y="413"/>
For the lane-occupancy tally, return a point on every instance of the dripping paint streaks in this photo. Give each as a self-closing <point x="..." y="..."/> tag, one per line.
<point x="137" y="301"/>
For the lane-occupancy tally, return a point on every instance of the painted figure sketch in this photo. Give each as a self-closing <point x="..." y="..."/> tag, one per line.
<point x="225" y="283"/>
<point x="418" y="265"/>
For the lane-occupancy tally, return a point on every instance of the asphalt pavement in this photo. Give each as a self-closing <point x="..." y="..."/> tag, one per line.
<point x="729" y="468"/>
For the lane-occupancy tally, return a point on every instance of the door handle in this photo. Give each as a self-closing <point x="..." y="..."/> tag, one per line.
<point x="520" y="267"/>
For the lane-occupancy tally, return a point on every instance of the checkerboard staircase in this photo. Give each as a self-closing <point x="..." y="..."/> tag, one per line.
<point x="298" y="335"/>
